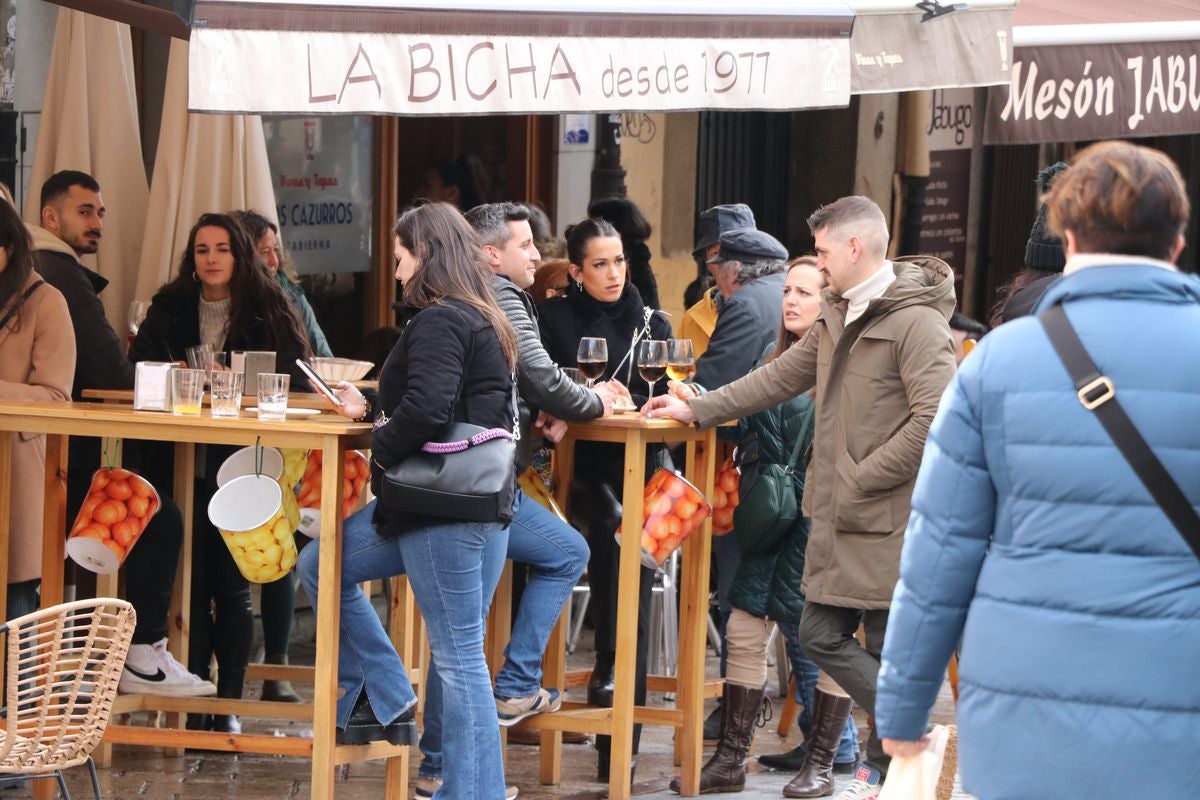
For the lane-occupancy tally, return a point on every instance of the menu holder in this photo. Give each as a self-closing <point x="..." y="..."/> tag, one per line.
<point x="251" y="363"/>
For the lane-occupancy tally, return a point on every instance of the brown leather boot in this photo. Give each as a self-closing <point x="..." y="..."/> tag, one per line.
<point x="725" y="771"/>
<point x="815" y="778"/>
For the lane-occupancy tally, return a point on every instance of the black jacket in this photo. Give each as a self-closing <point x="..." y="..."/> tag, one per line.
<point x="100" y="361"/>
<point x="565" y="321"/>
<point x="173" y="324"/>
<point x="447" y="366"/>
<point x="747" y="322"/>
<point x="542" y="384"/>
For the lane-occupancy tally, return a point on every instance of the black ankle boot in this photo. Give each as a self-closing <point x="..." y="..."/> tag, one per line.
<point x="600" y="684"/>
<point x="364" y="727"/>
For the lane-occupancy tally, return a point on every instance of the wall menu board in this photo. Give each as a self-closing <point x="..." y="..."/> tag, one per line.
<point x="324" y="190"/>
<point x="947" y="195"/>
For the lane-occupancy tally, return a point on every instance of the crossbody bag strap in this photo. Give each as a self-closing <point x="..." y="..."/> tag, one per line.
<point x="1097" y="394"/>
<point x="20" y="302"/>
<point x="808" y="414"/>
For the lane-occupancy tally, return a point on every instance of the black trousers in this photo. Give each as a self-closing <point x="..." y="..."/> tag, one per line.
<point x="596" y="506"/>
<point x="827" y="637"/>
<point x="222" y="619"/>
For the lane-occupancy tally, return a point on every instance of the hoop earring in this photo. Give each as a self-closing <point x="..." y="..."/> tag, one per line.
<point x="195" y="277"/>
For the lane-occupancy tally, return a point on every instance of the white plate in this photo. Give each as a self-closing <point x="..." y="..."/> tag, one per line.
<point x="291" y="412"/>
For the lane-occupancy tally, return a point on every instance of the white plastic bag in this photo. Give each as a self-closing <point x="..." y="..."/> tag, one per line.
<point x="916" y="778"/>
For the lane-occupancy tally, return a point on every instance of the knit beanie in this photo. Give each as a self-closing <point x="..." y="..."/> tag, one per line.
<point x="1044" y="251"/>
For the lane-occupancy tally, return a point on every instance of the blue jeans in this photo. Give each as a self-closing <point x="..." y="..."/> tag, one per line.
<point x="806" y="672"/>
<point x="447" y="565"/>
<point x="558" y="555"/>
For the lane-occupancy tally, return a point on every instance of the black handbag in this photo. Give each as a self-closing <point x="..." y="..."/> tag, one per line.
<point x="1098" y="394"/>
<point x="467" y="473"/>
<point x="767" y="507"/>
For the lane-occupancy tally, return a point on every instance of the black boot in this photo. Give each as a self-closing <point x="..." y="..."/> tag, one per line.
<point x="815" y="778"/>
<point x="363" y="727"/>
<point x="279" y="691"/>
<point x="792" y="760"/>
<point x="600" y="684"/>
<point x="725" y="771"/>
<point x="229" y="686"/>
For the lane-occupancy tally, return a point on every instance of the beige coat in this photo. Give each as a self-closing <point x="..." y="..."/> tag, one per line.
<point x="37" y="362"/>
<point x="878" y="383"/>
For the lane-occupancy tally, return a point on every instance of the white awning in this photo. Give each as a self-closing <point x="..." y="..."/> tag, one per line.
<point x="529" y="56"/>
<point x="897" y="46"/>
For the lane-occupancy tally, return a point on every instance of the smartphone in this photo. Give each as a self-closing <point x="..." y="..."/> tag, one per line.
<point x="319" y="383"/>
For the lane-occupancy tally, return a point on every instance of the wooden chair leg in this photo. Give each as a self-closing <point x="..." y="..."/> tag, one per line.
<point x="788" y="715"/>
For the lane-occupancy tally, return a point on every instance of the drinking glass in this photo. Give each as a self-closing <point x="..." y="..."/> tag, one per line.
<point x="199" y="355"/>
<point x="227" y="393"/>
<point x="272" y="396"/>
<point x="681" y="364"/>
<point x="136" y="314"/>
<point x="574" y="374"/>
<point x="592" y="358"/>
<point x="187" y="391"/>
<point x="652" y="361"/>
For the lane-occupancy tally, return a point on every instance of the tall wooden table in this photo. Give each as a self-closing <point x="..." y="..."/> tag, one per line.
<point x="636" y="433"/>
<point x="330" y="434"/>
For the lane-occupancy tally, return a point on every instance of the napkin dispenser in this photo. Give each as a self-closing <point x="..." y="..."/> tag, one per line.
<point x="152" y="385"/>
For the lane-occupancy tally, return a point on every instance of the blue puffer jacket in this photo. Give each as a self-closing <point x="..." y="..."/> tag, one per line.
<point x="1031" y="537"/>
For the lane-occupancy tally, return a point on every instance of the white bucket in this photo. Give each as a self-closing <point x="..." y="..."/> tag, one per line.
<point x="243" y="462"/>
<point x="249" y="512"/>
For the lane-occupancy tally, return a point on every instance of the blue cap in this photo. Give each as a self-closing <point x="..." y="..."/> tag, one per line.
<point x="749" y="245"/>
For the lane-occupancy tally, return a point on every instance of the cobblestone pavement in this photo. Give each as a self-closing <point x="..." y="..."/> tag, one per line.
<point x="139" y="773"/>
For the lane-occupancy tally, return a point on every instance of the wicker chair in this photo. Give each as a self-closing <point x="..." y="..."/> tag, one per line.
<point x="63" y="665"/>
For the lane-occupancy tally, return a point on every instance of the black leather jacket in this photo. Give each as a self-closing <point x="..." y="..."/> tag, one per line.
<point x="541" y="383"/>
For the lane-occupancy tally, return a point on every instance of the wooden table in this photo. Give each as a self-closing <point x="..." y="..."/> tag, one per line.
<point x="330" y="434"/>
<point x="636" y="432"/>
<point x="307" y="400"/>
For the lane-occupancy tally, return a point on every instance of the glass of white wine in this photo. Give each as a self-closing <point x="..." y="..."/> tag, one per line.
<point x="681" y="364"/>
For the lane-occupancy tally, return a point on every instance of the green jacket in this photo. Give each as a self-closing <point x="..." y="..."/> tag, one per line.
<point x="768" y="585"/>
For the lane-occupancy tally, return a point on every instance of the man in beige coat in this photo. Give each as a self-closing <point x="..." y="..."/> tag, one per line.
<point x="879" y="358"/>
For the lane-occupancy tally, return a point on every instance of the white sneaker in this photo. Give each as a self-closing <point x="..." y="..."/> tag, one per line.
<point x="151" y="669"/>
<point x="866" y="785"/>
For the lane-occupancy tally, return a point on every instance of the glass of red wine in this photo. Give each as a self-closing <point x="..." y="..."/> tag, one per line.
<point x="652" y="361"/>
<point x="592" y="358"/>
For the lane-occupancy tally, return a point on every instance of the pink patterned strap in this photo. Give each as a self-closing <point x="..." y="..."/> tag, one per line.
<point x="463" y="444"/>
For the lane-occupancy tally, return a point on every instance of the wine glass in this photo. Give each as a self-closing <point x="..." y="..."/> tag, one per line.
<point x="681" y="364"/>
<point x="652" y="361"/>
<point x="137" y="313"/>
<point x="592" y="358"/>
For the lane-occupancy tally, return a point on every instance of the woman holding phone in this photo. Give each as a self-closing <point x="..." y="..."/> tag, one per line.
<point x="454" y="362"/>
